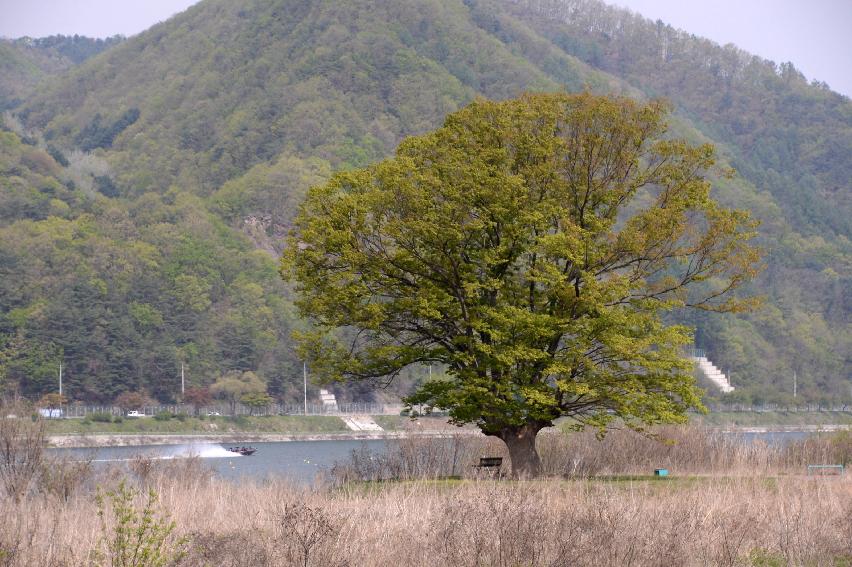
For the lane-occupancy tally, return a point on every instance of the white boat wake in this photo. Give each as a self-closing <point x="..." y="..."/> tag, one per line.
<point x="209" y="452"/>
<point x="164" y="453"/>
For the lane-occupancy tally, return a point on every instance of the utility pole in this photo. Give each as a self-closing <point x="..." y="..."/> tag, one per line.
<point x="305" y="376"/>
<point x="182" y="381"/>
<point x="60" y="388"/>
<point x="795" y="383"/>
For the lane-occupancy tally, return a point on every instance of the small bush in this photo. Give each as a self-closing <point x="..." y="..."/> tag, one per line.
<point x="118" y="419"/>
<point x="306" y="534"/>
<point x="163" y="416"/>
<point x="22" y="453"/>
<point x="64" y="476"/>
<point x="228" y="549"/>
<point x="762" y="558"/>
<point x="135" y="538"/>
<point x="239" y="420"/>
<point x="181" y="417"/>
<point x="101" y="417"/>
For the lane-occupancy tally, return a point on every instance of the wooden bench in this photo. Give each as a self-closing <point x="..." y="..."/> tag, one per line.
<point x="489" y="465"/>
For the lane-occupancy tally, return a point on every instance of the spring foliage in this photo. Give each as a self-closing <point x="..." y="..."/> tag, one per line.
<point x="532" y="246"/>
<point x="231" y="133"/>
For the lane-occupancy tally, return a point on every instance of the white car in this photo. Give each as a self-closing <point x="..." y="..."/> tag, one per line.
<point x="135" y="413"/>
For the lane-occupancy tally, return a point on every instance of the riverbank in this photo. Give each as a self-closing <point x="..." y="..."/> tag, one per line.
<point x="828" y="428"/>
<point x="242" y="429"/>
<point x="227" y="430"/>
<point x="772" y="419"/>
<point x="212" y="425"/>
<point x="135" y="440"/>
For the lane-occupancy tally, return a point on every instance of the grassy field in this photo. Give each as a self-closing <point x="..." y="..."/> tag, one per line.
<point x="392" y="422"/>
<point x="284" y="424"/>
<point x="212" y="425"/>
<point x="772" y="418"/>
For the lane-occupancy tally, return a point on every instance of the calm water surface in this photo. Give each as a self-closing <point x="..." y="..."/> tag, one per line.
<point x="299" y="461"/>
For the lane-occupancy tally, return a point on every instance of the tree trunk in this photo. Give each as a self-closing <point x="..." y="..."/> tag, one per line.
<point x="521" y="444"/>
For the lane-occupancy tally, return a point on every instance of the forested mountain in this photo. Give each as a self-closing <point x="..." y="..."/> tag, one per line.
<point x="124" y="292"/>
<point x="27" y="62"/>
<point x="191" y="144"/>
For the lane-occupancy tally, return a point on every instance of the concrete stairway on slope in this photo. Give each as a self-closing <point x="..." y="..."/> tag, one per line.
<point x="329" y="402"/>
<point x="713" y="374"/>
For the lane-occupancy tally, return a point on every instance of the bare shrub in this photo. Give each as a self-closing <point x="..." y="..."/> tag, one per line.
<point x="685" y="449"/>
<point x="28" y="537"/>
<point x="307" y="535"/>
<point x="63" y="476"/>
<point x="21" y="450"/>
<point x="493" y="526"/>
<point x="142" y="466"/>
<point x="151" y="471"/>
<point x="831" y="448"/>
<point x="414" y="458"/>
<point x="243" y="548"/>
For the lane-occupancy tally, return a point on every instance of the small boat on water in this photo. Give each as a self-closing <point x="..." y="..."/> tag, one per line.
<point x="246" y="451"/>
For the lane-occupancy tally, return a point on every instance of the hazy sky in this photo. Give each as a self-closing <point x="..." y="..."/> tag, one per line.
<point x="816" y="35"/>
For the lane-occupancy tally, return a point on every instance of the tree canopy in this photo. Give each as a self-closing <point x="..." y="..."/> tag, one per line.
<point x="246" y="387"/>
<point x="532" y="246"/>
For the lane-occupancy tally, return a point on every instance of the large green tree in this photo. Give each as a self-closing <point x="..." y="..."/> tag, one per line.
<point x="533" y="247"/>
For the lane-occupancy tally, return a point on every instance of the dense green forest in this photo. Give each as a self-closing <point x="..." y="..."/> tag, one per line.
<point x="147" y="190"/>
<point x="26" y="62"/>
<point x="125" y="291"/>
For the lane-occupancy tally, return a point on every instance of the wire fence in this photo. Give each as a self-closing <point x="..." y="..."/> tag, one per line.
<point x="763" y="408"/>
<point x="354" y="408"/>
<point x="367" y="408"/>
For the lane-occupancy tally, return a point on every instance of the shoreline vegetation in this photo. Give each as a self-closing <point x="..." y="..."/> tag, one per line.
<point x="220" y="429"/>
<point x="420" y="502"/>
<point x="125" y="440"/>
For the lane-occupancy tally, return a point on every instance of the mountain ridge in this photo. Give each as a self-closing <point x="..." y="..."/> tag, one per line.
<point x="243" y="108"/>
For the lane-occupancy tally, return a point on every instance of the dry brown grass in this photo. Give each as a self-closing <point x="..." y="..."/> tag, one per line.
<point x="687" y="450"/>
<point x="712" y="521"/>
<point x="684" y="450"/>
<point x="762" y="515"/>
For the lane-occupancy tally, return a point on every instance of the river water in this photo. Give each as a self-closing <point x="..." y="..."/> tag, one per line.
<point x="299" y="461"/>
